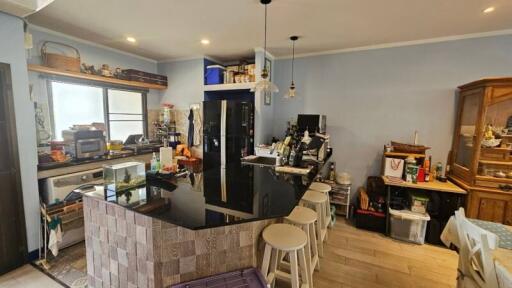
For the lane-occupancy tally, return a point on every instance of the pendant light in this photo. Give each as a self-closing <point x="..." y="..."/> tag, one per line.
<point x="264" y="85"/>
<point x="291" y="91"/>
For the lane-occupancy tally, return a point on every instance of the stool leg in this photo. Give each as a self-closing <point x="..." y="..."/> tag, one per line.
<point x="326" y="220"/>
<point x="308" y="252"/>
<point x="319" y="229"/>
<point x="294" y="268"/>
<point x="328" y="210"/>
<point x="266" y="261"/>
<point x="314" y="247"/>
<point x="273" y="266"/>
<point x="306" y="276"/>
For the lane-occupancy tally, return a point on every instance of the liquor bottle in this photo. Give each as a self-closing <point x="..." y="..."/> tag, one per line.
<point x="332" y="172"/>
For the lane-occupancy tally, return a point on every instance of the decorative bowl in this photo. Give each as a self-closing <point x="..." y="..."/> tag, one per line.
<point x="491" y="143"/>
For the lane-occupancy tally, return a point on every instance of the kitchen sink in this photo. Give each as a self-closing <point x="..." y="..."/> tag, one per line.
<point x="259" y="160"/>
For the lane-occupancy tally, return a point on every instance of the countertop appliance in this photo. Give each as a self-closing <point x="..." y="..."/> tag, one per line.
<point x="84" y="144"/>
<point x="314" y="123"/>
<point x="71" y="187"/>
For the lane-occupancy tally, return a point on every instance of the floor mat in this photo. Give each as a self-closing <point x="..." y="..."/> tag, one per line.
<point x="70" y="266"/>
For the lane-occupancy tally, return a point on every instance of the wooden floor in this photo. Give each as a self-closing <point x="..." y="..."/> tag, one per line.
<point x="27" y="277"/>
<point x="358" y="258"/>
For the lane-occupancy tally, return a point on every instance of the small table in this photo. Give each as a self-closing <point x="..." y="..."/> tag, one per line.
<point x="438" y="186"/>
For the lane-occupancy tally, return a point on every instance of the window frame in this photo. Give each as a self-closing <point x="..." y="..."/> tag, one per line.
<point x="105" y="87"/>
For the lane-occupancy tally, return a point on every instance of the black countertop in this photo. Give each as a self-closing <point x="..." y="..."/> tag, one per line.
<point x="199" y="201"/>
<point x="57" y="165"/>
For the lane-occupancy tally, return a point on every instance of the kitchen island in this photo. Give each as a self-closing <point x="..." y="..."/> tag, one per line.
<point x="176" y="230"/>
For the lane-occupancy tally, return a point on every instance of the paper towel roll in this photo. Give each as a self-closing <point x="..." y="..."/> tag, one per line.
<point x="165" y="156"/>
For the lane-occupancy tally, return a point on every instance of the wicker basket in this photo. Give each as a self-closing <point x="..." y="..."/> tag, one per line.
<point x="60" y="61"/>
<point x="408" y="148"/>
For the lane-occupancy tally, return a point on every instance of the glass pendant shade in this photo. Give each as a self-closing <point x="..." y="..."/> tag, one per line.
<point x="291" y="92"/>
<point x="265" y="86"/>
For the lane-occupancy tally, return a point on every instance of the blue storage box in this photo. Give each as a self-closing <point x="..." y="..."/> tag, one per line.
<point x="214" y="74"/>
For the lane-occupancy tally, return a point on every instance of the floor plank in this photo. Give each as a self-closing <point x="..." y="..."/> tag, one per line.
<point x="358" y="258"/>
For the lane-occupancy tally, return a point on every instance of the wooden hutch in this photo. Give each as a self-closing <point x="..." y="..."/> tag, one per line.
<point x="481" y="157"/>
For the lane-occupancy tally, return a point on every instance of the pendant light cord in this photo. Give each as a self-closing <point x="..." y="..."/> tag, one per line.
<point x="293" y="57"/>
<point x="265" y="42"/>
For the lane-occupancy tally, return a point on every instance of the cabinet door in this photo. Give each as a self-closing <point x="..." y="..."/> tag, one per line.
<point x="488" y="206"/>
<point x="466" y="131"/>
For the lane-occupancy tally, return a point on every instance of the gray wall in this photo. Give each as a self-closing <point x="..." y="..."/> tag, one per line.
<point x="185" y="80"/>
<point x="12" y="52"/>
<point x="372" y="97"/>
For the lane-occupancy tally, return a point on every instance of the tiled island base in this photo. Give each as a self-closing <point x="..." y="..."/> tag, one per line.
<point x="127" y="249"/>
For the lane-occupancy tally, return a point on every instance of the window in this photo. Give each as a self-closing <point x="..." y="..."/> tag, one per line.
<point x="125" y="114"/>
<point x="78" y="104"/>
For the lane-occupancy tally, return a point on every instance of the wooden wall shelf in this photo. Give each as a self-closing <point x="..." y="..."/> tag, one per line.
<point x="96" y="78"/>
<point x="233" y="86"/>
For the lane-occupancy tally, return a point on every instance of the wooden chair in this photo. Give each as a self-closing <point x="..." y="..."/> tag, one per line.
<point x="476" y="265"/>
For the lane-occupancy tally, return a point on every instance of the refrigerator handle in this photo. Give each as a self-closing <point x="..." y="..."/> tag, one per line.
<point x="223" y="115"/>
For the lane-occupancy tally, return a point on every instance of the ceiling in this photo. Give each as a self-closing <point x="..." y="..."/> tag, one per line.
<point x="172" y="29"/>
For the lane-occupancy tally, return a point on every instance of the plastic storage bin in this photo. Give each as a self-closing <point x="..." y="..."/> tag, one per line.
<point x="214" y="75"/>
<point x="247" y="278"/>
<point x="408" y="226"/>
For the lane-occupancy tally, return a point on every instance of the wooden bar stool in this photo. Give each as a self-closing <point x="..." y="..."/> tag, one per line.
<point x="287" y="239"/>
<point x="317" y="201"/>
<point x="324" y="188"/>
<point x="305" y="219"/>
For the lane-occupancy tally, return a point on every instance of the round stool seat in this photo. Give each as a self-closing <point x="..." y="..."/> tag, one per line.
<point x="320" y="187"/>
<point x="314" y="197"/>
<point x="285" y="237"/>
<point x="302" y="216"/>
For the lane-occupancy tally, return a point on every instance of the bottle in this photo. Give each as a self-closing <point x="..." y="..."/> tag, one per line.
<point x="439" y="169"/>
<point x="154" y="163"/>
<point x="332" y="172"/>
<point x="426" y="166"/>
<point x="291" y="160"/>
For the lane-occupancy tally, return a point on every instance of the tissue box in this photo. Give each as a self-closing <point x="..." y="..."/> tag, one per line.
<point x="123" y="176"/>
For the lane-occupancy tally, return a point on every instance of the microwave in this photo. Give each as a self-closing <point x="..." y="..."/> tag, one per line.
<point x="85" y="144"/>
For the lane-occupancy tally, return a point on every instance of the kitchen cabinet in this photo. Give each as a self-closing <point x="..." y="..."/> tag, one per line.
<point x="480" y="159"/>
<point x="490" y="206"/>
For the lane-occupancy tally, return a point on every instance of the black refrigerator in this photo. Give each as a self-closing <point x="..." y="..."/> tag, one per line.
<point x="228" y="131"/>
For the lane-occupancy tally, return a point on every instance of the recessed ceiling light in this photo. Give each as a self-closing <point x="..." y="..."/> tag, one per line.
<point x="131" y="39"/>
<point x="489" y="9"/>
<point x="205" y="41"/>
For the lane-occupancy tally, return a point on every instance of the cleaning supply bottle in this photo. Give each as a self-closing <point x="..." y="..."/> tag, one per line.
<point x="154" y="163"/>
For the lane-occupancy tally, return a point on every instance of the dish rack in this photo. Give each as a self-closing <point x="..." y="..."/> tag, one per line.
<point x="71" y="217"/>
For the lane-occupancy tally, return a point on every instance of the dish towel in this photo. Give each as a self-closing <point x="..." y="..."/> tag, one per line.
<point x="55" y="236"/>
<point x="197" y="127"/>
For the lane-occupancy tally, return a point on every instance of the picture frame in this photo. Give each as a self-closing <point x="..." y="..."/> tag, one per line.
<point x="268" y="95"/>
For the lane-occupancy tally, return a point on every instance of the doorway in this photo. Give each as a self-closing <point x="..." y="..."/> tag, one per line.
<point x="13" y="241"/>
